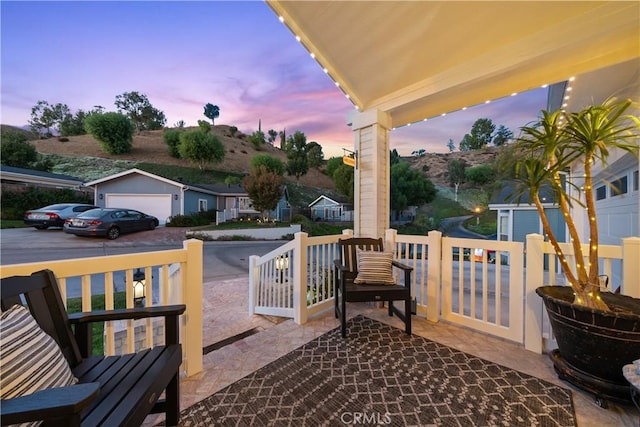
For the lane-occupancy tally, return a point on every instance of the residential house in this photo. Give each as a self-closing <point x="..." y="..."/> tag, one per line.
<point x="326" y="209"/>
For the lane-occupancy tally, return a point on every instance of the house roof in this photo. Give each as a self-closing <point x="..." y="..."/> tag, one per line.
<point x="503" y="197"/>
<point x="215" y="189"/>
<point x="33" y="176"/>
<point x="417" y="60"/>
<point x="323" y="197"/>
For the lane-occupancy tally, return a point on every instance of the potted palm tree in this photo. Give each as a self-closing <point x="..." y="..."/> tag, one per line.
<point x="597" y="332"/>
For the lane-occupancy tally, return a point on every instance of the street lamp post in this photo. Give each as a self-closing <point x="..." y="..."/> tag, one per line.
<point x="477" y="210"/>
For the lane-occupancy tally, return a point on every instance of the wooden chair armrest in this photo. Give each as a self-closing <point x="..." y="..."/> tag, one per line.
<point x="126" y="313"/>
<point x="53" y="403"/>
<point x="82" y="322"/>
<point x="339" y="266"/>
<point x="402" y="266"/>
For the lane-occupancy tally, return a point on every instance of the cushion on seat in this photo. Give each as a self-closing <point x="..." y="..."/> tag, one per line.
<point x="31" y="360"/>
<point x="374" y="267"/>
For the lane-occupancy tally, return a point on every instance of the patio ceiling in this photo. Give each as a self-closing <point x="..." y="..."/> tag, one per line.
<point x="417" y="60"/>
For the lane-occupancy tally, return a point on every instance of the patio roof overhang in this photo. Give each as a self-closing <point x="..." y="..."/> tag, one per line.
<point x="416" y="60"/>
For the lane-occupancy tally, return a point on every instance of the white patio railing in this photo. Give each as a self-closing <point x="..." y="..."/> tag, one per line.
<point x="465" y="285"/>
<point x="171" y="277"/>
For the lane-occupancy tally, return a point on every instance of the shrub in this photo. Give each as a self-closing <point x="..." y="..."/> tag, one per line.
<point x="16" y="203"/>
<point x="114" y="131"/>
<point x="204" y="126"/>
<point x="480" y="174"/>
<point x="272" y="164"/>
<point x="16" y="151"/>
<point x="172" y="139"/>
<point x="233" y="130"/>
<point x="191" y="220"/>
<point x="201" y="148"/>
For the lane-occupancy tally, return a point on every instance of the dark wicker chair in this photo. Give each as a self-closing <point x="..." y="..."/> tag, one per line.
<point x="347" y="291"/>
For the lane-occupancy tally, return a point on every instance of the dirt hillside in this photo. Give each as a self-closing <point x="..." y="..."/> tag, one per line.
<point x="149" y="146"/>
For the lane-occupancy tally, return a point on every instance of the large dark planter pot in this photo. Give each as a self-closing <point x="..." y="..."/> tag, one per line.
<point x="594" y="345"/>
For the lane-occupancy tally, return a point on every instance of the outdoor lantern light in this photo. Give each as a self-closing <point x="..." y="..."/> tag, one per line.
<point x="282" y="263"/>
<point x="138" y="287"/>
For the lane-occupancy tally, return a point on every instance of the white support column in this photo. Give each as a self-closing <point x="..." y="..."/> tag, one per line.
<point x="300" y="278"/>
<point x="434" y="275"/>
<point x="371" y="180"/>
<point x="192" y="291"/>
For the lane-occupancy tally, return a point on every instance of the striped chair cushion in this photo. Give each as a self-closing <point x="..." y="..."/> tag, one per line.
<point x="374" y="268"/>
<point x="31" y="360"/>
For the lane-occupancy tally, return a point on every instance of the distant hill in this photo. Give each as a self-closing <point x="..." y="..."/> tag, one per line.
<point x="8" y="128"/>
<point x="149" y="146"/>
<point x="437" y="163"/>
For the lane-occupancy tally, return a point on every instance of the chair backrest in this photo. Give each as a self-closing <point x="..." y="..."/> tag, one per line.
<point x="40" y="294"/>
<point x="349" y="256"/>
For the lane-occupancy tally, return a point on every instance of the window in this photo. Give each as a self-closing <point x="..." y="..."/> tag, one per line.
<point x="601" y="192"/>
<point x="619" y="186"/>
<point x="635" y="181"/>
<point x="202" y="205"/>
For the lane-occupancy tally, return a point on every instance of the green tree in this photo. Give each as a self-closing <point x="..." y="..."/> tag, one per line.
<point x="60" y="113"/>
<point x="409" y="187"/>
<point x="114" y="131"/>
<point x="73" y="124"/>
<point x="16" y="151"/>
<point x="42" y="118"/>
<point x="297" y="164"/>
<point x="211" y="112"/>
<point x="204" y="126"/>
<point x="456" y="168"/>
<point x="315" y="156"/>
<point x="480" y="175"/>
<point x="394" y="157"/>
<point x="263" y="187"/>
<point x="480" y="135"/>
<point x="138" y="108"/>
<point x="419" y="153"/>
<point x="201" y="148"/>
<point x="343" y="177"/>
<point x="272" y="164"/>
<point x="257" y="139"/>
<point x="171" y="137"/>
<point x="451" y="146"/>
<point x="272" y="136"/>
<point x="332" y="164"/>
<point x="502" y="136"/>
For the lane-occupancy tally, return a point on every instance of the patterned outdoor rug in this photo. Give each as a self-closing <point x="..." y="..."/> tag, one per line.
<point x="380" y="376"/>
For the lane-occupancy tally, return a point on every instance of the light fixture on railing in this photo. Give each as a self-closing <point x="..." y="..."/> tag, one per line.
<point x="138" y="287"/>
<point x="282" y="264"/>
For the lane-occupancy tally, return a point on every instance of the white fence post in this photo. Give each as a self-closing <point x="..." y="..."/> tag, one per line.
<point x="254" y="281"/>
<point x="300" y="278"/>
<point x="192" y="287"/>
<point x="631" y="266"/>
<point x="390" y="238"/>
<point x="434" y="275"/>
<point x="534" y="278"/>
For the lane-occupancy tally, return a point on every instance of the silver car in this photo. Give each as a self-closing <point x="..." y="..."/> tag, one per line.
<point x="54" y="215"/>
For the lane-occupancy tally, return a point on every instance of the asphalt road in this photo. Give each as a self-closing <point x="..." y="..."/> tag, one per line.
<point x="222" y="260"/>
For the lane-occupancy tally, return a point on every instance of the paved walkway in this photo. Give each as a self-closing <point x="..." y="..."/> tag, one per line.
<point x="226" y="315"/>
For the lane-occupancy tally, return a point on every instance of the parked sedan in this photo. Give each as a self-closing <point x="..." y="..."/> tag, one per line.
<point x="54" y="215"/>
<point x="109" y="222"/>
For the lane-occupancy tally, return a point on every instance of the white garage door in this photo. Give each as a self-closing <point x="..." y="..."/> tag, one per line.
<point x="158" y="205"/>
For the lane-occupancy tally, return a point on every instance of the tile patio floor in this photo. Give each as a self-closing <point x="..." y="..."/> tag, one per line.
<point x="225" y="315"/>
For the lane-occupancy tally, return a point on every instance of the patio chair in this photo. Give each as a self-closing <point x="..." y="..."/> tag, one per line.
<point x="364" y="274"/>
<point x="49" y="374"/>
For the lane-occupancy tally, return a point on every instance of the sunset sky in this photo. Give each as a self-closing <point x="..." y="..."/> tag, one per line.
<point x="182" y="55"/>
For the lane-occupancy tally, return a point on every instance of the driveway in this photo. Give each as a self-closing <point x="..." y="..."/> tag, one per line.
<point x="56" y="238"/>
